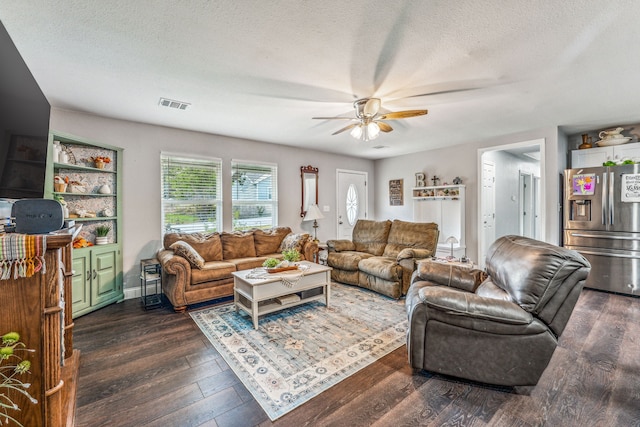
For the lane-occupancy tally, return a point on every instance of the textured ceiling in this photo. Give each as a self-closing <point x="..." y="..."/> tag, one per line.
<point x="261" y="69"/>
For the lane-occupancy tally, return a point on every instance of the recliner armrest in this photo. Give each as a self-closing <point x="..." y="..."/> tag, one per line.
<point x="457" y="302"/>
<point x="416" y="253"/>
<point x="448" y="274"/>
<point x="340" y="245"/>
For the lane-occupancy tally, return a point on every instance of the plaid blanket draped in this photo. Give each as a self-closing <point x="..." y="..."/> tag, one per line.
<point x="24" y="254"/>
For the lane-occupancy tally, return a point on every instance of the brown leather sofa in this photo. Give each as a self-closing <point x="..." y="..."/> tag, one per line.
<point x="501" y="329"/>
<point x="189" y="278"/>
<point x="382" y="254"/>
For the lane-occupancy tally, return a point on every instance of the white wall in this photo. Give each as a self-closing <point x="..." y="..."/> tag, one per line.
<point x="141" y="176"/>
<point x="462" y="161"/>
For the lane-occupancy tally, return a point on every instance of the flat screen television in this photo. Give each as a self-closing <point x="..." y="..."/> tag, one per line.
<point x="24" y="126"/>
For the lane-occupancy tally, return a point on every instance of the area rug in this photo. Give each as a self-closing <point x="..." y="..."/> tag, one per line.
<point x="299" y="352"/>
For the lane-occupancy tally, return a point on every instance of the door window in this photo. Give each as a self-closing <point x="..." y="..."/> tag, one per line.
<point x="352" y="205"/>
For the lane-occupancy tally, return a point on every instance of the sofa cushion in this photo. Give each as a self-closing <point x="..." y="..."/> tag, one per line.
<point x="186" y="251"/>
<point x="268" y="241"/>
<point x="237" y="245"/>
<point x="371" y="236"/>
<point x="294" y="241"/>
<point x="208" y="245"/>
<point x="211" y="271"/>
<point x="404" y="234"/>
<point x="382" y="267"/>
<point x="347" y="260"/>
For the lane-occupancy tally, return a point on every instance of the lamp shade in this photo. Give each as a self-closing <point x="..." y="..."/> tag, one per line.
<point x="451" y="240"/>
<point x="313" y="213"/>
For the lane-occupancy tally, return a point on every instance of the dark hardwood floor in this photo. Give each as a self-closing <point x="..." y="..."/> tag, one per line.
<point x="156" y="368"/>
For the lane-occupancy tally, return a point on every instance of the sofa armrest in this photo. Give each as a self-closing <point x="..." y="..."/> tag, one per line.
<point x="340" y="245"/>
<point x="310" y="250"/>
<point x="466" y="304"/>
<point x="177" y="274"/>
<point x="415" y="253"/>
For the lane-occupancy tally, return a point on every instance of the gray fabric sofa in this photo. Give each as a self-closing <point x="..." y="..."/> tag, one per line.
<point x="501" y="329"/>
<point x="382" y="254"/>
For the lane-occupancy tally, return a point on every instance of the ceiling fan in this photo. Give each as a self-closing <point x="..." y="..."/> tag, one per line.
<point x="368" y="123"/>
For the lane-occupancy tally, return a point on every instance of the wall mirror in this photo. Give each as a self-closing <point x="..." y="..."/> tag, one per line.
<point x="309" y="177"/>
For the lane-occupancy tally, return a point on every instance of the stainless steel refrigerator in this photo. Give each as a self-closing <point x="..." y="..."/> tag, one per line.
<point x="602" y="222"/>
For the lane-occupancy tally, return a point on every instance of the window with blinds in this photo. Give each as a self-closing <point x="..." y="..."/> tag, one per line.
<point x="254" y="189"/>
<point x="191" y="194"/>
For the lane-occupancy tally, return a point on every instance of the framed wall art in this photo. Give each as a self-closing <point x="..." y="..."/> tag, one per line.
<point x="396" y="192"/>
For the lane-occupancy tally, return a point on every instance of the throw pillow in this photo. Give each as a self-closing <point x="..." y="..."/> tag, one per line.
<point x="186" y="251"/>
<point x="237" y="245"/>
<point x="294" y="241"/>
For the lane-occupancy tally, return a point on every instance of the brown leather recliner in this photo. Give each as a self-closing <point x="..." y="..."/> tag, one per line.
<point x="501" y="329"/>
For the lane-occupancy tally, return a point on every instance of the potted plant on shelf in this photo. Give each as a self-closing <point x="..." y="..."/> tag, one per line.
<point x="102" y="231"/>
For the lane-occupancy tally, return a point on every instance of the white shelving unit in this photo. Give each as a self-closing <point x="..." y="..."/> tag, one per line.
<point x="444" y="205"/>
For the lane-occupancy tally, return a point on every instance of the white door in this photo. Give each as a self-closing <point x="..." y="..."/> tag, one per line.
<point x="488" y="206"/>
<point x="352" y="201"/>
<point x="527" y="216"/>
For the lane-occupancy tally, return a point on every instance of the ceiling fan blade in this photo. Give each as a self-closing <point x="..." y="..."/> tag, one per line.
<point x="383" y="126"/>
<point x="403" y="114"/>
<point x="334" y="118"/>
<point x="351" y="126"/>
<point x="371" y="107"/>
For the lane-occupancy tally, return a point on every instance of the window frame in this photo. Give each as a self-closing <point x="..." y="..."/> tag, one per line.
<point x="216" y="201"/>
<point x="272" y="201"/>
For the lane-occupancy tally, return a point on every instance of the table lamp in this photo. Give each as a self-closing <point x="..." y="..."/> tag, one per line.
<point x="451" y="240"/>
<point x="313" y="213"/>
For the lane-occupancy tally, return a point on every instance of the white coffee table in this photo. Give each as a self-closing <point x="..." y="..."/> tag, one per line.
<point x="257" y="296"/>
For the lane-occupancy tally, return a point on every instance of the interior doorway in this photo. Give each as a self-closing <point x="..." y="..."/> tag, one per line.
<point x="517" y="193"/>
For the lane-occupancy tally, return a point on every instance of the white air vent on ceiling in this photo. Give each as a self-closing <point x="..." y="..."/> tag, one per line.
<point x="179" y="105"/>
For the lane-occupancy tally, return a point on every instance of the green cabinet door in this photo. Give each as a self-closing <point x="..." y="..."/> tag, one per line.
<point x="81" y="281"/>
<point x="104" y="275"/>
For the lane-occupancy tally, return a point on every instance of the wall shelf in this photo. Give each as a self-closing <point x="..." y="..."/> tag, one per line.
<point x="444" y="205"/>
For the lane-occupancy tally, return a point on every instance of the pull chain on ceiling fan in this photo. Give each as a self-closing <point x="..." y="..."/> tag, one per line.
<point x="367" y="123"/>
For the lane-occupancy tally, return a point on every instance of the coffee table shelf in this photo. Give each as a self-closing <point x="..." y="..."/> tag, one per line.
<point x="257" y="297"/>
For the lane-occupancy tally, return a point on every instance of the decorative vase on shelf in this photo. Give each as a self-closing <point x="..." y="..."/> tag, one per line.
<point x="99" y="164"/>
<point x="102" y="240"/>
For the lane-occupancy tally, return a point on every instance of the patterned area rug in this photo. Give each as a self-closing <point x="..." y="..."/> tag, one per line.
<point x="299" y="352"/>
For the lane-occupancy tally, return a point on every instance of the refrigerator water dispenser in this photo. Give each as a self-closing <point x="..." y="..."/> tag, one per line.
<point x="580" y="210"/>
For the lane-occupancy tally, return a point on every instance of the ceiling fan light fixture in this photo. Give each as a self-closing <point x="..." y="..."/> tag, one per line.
<point x="373" y="130"/>
<point x="366" y="131"/>
<point x="356" y="132"/>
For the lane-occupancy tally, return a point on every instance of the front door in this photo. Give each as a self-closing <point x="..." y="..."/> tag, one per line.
<point x="352" y="201"/>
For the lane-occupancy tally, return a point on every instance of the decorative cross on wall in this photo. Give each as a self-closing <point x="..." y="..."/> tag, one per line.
<point x="435" y="180"/>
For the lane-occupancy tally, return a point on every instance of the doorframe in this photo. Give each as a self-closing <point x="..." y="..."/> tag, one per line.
<point x="366" y="192"/>
<point x="540" y="142"/>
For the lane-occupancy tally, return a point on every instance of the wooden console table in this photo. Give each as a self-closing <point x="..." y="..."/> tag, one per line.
<point x="34" y="307"/>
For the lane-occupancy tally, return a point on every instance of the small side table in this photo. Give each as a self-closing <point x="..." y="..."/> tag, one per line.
<point x="150" y="283"/>
<point x="323" y="252"/>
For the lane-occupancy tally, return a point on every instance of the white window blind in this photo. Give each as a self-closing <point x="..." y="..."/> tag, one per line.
<point x="191" y="193"/>
<point x="254" y="189"/>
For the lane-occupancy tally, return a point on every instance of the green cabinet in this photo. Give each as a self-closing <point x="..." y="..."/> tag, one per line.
<point x="97" y="278"/>
<point x="85" y="177"/>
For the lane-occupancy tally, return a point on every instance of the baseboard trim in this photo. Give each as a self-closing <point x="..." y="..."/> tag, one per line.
<point x="131" y="293"/>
